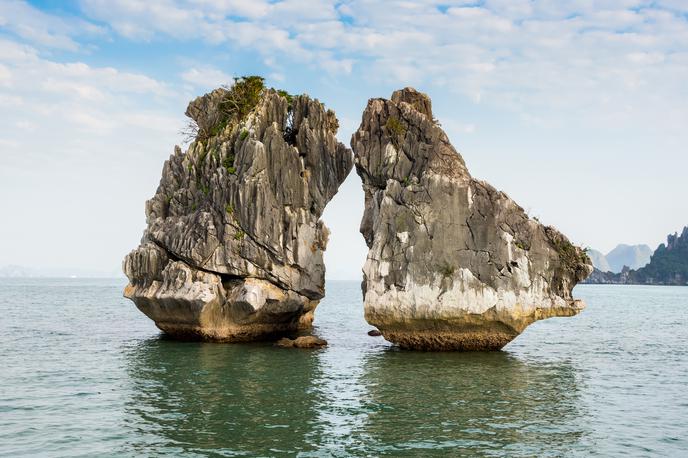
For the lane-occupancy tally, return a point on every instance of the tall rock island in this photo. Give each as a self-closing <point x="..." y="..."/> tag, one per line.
<point x="453" y="264"/>
<point x="233" y="249"/>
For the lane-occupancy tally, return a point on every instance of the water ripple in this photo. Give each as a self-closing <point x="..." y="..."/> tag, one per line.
<point x="85" y="374"/>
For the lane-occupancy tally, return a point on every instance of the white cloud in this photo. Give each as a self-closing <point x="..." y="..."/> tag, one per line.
<point x="43" y="29"/>
<point x="25" y="125"/>
<point x="253" y="9"/>
<point x="206" y="77"/>
<point x="13" y="51"/>
<point x="81" y="147"/>
<point x="8" y="143"/>
<point x="600" y="65"/>
<point x="5" y="76"/>
<point x="587" y="60"/>
<point x="142" y="20"/>
<point x="457" y="128"/>
<point x="65" y="101"/>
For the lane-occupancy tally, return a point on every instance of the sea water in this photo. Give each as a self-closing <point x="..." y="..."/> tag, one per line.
<point x="84" y="373"/>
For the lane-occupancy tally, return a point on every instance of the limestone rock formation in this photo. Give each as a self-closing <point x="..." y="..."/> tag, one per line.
<point x="631" y="256"/>
<point x="233" y="248"/>
<point x="453" y="263"/>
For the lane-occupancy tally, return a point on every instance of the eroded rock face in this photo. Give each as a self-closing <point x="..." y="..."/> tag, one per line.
<point x="233" y="250"/>
<point x="453" y="263"/>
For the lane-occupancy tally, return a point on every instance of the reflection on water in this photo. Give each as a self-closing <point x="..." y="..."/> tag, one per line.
<point x="261" y="400"/>
<point x="85" y="374"/>
<point x="475" y="403"/>
<point x="199" y="397"/>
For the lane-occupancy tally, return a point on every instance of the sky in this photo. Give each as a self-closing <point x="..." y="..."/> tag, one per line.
<point x="578" y="110"/>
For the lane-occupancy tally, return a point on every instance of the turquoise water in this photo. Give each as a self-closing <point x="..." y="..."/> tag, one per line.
<point x="83" y="373"/>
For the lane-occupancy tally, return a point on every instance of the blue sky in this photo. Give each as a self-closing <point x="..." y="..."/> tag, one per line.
<point x="576" y="109"/>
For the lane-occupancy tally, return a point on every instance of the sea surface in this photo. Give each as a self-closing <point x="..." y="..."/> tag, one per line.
<point x="84" y="373"/>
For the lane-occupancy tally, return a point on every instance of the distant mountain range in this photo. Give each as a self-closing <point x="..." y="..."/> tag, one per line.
<point x="668" y="266"/>
<point x="15" y="271"/>
<point x="631" y="256"/>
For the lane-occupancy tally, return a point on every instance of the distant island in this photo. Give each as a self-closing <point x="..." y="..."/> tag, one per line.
<point x="631" y="256"/>
<point x="14" y="271"/>
<point x="668" y="266"/>
<point x="18" y="271"/>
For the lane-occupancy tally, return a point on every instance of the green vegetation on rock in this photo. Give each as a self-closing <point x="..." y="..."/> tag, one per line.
<point x="570" y="255"/>
<point x="228" y="163"/>
<point x="447" y="270"/>
<point x="288" y="96"/>
<point x="669" y="263"/>
<point x="224" y="107"/>
<point x="396" y="130"/>
<point x="241" y="97"/>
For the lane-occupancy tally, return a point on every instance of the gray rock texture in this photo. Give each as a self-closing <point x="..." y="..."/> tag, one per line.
<point x="453" y="264"/>
<point x="302" y="342"/>
<point x="233" y="249"/>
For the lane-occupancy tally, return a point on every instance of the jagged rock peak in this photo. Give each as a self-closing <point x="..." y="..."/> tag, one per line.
<point x="453" y="264"/>
<point x="419" y="101"/>
<point x="233" y="248"/>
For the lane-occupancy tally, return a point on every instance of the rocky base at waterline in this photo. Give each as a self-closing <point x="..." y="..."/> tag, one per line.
<point x="233" y="249"/>
<point x="302" y="342"/>
<point x="453" y="264"/>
